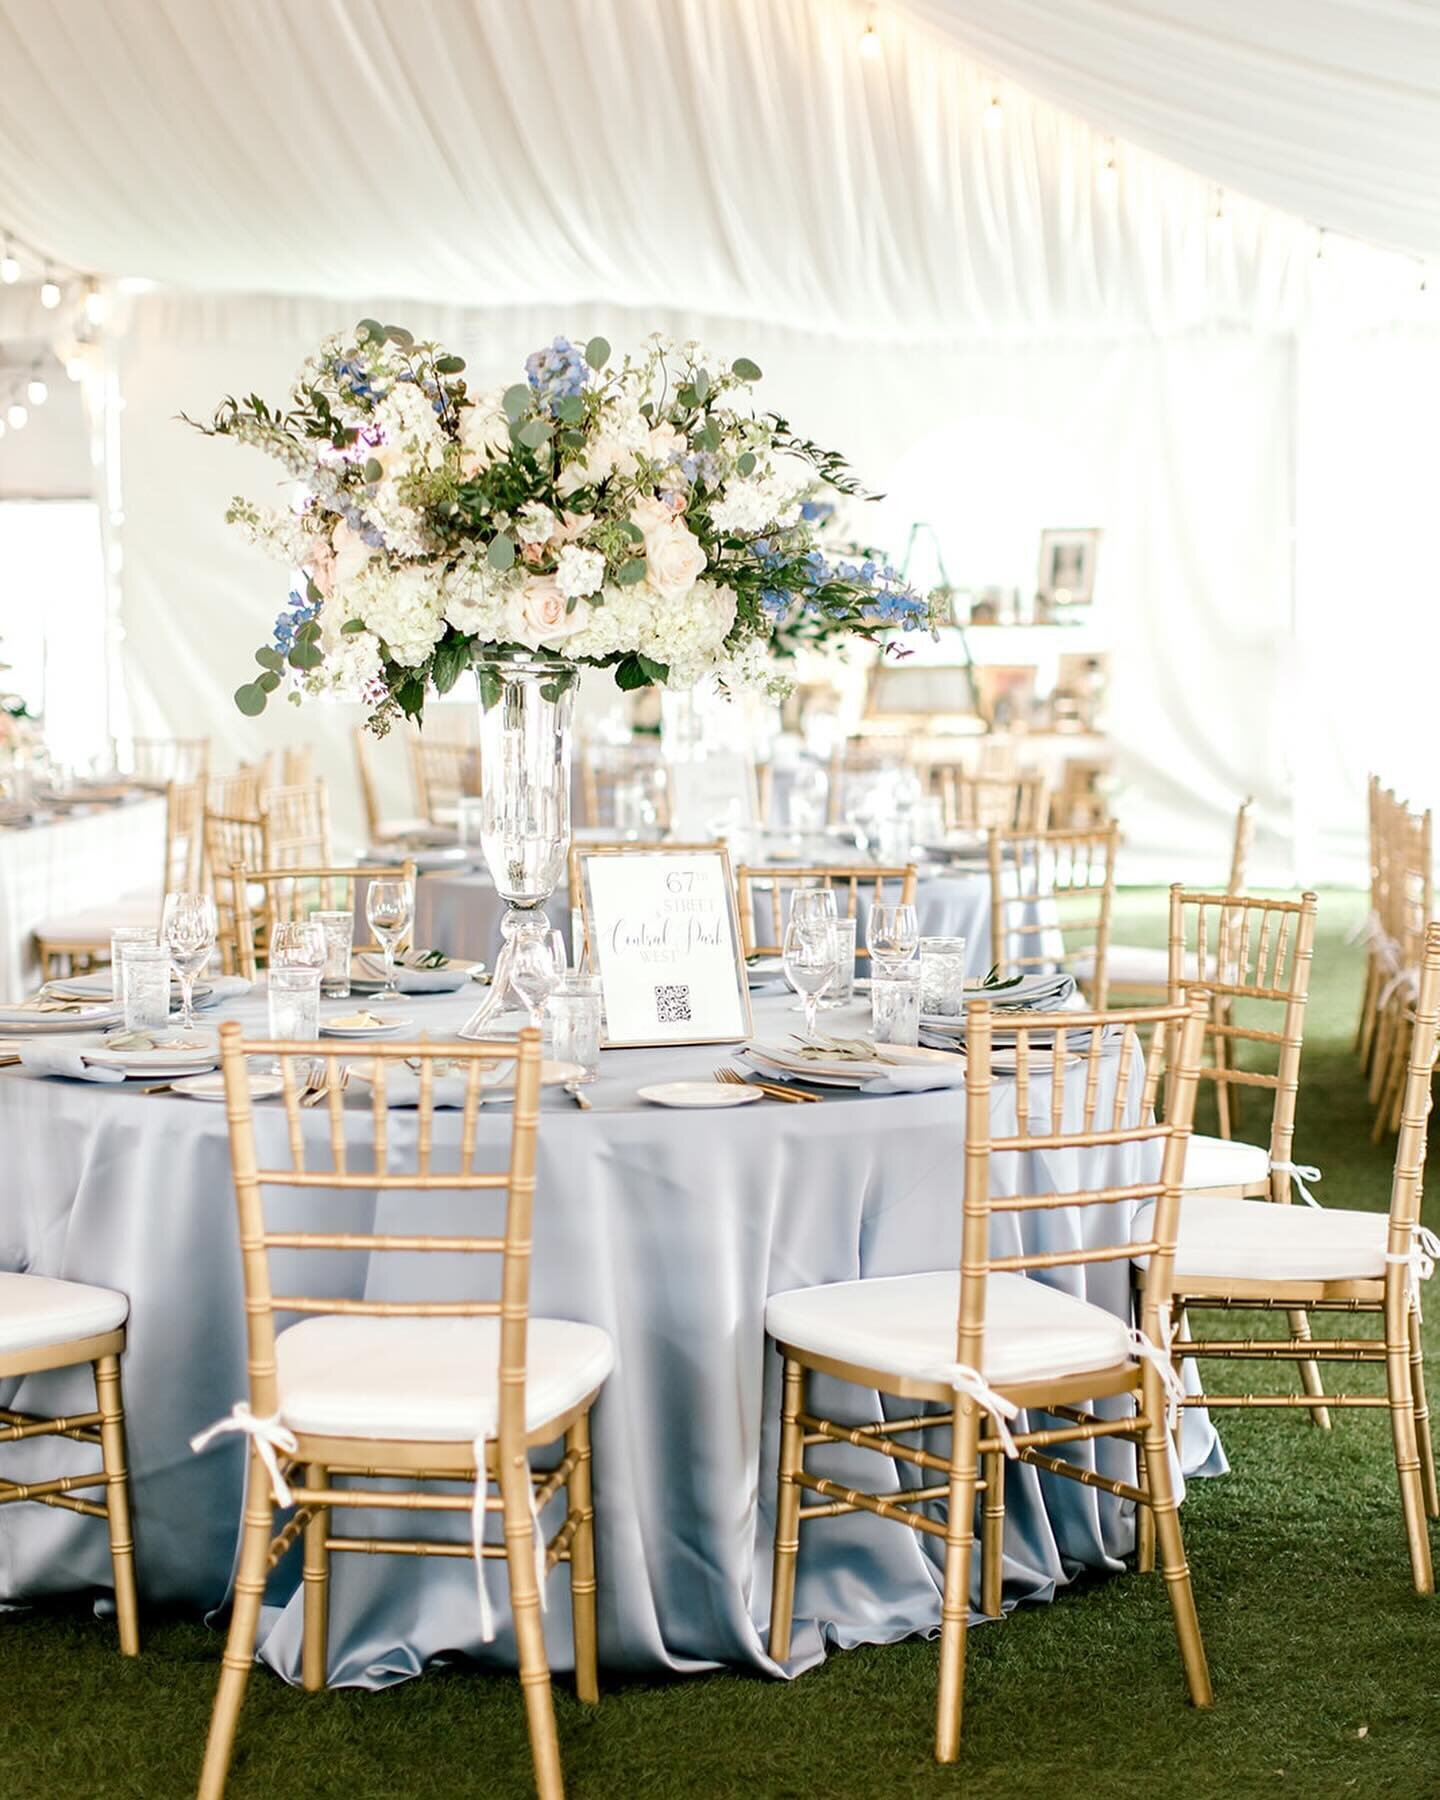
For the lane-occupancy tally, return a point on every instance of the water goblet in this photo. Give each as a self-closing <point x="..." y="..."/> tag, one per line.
<point x="187" y="930"/>
<point x="811" y="954"/>
<point x="536" y="968"/>
<point x="389" y="908"/>
<point x="892" y="935"/>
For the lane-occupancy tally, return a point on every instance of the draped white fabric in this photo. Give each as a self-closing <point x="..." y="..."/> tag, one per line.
<point x="1327" y="108"/>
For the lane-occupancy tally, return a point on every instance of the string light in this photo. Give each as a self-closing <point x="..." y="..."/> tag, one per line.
<point x="994" y="116"/>
<point x="37" y="393"/>
<point x="96" y="305"/>
<point x="2" y="428"/>
<point x="870" y="46"/>
<point x="74" y="368"/>
<point x="18" y="416"/>
<point x="50" y="290"/>
<point x="9" y="265"/>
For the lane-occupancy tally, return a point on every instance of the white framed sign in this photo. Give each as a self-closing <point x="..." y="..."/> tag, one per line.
<point x="665" y="941"/>
<point x="715" y="793"/>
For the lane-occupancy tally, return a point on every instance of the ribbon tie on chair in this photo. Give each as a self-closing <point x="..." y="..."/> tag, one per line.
<point x="1300" y="1173"/>
<point x="1406" y="981"/>
<point x="1420" y="1258"/>
<point x="267" y="1435"/>
<point x="1372" y="933"/>
<point x="970" y="1382"/>
<point x="478" y="1515"/>
<point x="1161" y="1358"/>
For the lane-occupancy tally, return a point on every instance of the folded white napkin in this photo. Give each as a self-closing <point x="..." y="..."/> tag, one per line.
<point x="918" y="1080"/>
<point x="1038" y="991"/>
<point x="48" y="1056"/>
<point x="418" y="981"/>
<point x="223" y="988"/>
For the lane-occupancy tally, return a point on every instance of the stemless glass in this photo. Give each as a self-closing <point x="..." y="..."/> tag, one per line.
<point x="811" y="953"/>
<point x="574" y="1008"/>
<point x="147" y="987"/>
<point x="121" y="940"/>
<point x="389" y="907"/>
<point x="187" y="930"/>
<point x="536" y="968"/>
<point x="339" y="930"/>
<point x="293" y="996"/>
<point x="892" y="935"/>
<point x="895" y="1006"/>
<point x="942" y="976"/>
<point x="841" y="990"/>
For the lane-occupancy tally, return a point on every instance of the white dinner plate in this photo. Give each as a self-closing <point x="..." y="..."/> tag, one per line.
<point x="699" y="1093"/>
<point x="212" y="1087"/>
<point x="87" y="1017"/>
<point x="164" y="1059"/>
<point x="387" y="1028"/>
<point x="843" y="1072"/>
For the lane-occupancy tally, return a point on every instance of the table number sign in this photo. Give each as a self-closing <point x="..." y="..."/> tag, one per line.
<point x="665" y="941"/>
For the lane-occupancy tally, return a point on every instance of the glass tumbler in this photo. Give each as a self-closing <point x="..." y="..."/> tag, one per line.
<point x="841" y="990"/>
<point x="895" y="1007"/>
<point x="294" y="997"/>
<point x="147" y="987"/>
<point x="121" y="939"/>
<point x="339" y="929"/>
<point x="942" y="976"/>
<point x="574" y="1011"/>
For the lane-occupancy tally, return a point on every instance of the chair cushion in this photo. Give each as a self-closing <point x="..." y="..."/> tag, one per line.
<point x="905" y="1325"/>
<point x="431" y="1379"/>
<point x="36" y="1310"/>
<point x="95" y="926"/>
<point x="1224" y="1162"/>
<point x="1135" y="965"/>
<point x="1257" y="1240"/>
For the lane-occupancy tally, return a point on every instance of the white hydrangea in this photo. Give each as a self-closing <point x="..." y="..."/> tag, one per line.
<point x="748" y="669"/>
<point x="579" y="572"/>
<point x="473" y="596"/>
<point x="685" y="631"/>
<point x="484" y="432"/>
<point x="754" y="504"/>
<point x="278" y="531"/>
<point x="535" y="523"/>
<point x="351" y="666"/>
<point x="401" y="603"/>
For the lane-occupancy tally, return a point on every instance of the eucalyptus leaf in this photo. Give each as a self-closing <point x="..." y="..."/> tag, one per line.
<point x="630" y="572"/>
<point x="369" y="328"/>
<point x="372" y="471"/>
<point x="516" y="401"/>
<point x="268" y="682"/>
<point x="534" y="433"/>
<point x="597" y="352"/>
<point x="701" y="385"/>
<point x="745" y="369"/>
<point x="449" y="365"/>
<point x="570" y="409"/>
<point x="451" y="661"/>
<point x="251" y="700"/>
<point x="745" y="462"/>
<point x="269" y="658"/>
<point x="351" y="626"/>
<point x="306" y="656"/>
<point x="397" y="334"/>
<point x="501" y="554"/>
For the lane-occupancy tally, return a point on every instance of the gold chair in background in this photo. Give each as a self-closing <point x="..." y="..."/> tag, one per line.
<point x="1251" y="1254"/>
<point x="260" y="899"/>
<point x="1051" y="894"/>
<point x="443" y="769"/>
<point x="159" y="761"/>
<point x="47" y="1324"/>
<point x="1016" y="802"/>
<point x="296" y="824"/>
<point x="988" y="1341"/>
<point x="1404" y="844"/>
<point x="407" y="1390"/>
<point x="378" y="828"/>
<point x="894" y="886"/>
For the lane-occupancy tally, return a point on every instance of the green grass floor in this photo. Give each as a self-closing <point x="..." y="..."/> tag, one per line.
<point x="1326" y="1664"/>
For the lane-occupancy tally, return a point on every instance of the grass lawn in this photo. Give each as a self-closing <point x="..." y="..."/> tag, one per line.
<point x="1326" y="1664"/>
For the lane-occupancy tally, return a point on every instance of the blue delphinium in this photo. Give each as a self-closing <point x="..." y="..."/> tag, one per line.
<point x="300" y="613"/>
<point x="558" y="373"/>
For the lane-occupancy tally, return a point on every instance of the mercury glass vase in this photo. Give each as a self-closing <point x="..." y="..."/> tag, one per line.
<point x="526" y="709"/>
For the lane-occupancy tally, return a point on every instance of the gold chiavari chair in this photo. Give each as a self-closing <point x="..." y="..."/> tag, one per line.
<point x="406" y="1390"/>
<point x="237" y="795"/>
<point x="609" y="772"/>
<point x="1050" y="898"/>
<point x="230" y="843"/>
<point x="47" y="1324"/>
<point x="989" y="1341"/>
<point x="1016" y="802"/>
<point x="1376" y="959"/>
<point x="1080" y="798"/>
<point x="297" y="766"/>
<point x="260" y="899"/>
<point x="895" y="886"/>
<point x="378" y="829"/>
<point x="444" y="769"/>
<point x="295" y="824"/>
<point x="159" y="761"/>
<point x="1251" y="1254"/>
<point x="579" y="936"/>
<point x="1409" y="906"/>
<point x="1256" y="955"/>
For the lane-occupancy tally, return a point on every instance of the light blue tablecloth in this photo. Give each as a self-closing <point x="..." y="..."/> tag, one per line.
<point x="669" y="1229"/>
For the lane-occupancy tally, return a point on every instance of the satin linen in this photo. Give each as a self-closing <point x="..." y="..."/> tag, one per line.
<point x="668" y="1229"/>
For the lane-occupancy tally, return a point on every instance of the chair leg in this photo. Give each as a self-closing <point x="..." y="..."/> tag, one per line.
<point x="787" y="1512"/>
<point x="1144" y="1520"/>
<point x="516" y="1490"/>
<point x="1407" y="1456"/>
<point x="111" y="1407"/>
<point x="1310" y="1378"/>
<point x="1380" y="1052"/>
<point x="1171" y="1545"/>
<point x="1365" y="1026"/>
<point x="239" y="1656"/>
<point x="992" y="1536"/>
<point x="582" y="1565"/>
<point x="955" y="1603"/>
<point x="1222" y="1088"/>
<point x="316" y="1583"/>
<point x="1421" y="1406"/>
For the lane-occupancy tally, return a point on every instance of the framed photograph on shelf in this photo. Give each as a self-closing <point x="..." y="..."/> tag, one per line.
<point x="664" y="938"/>
<point x="1067" y="566"/>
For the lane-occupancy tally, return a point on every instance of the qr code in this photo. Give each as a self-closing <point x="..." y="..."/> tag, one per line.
<point x="672" y="1004"/>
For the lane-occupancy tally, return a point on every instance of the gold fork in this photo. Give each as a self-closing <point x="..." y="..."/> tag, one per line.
<point x="315" y="1095"/>
<point x="733" y="1078"/>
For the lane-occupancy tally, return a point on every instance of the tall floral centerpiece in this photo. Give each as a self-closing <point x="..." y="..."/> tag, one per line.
<point x="638" y="516"/>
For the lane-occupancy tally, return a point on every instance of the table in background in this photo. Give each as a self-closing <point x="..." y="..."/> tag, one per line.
<point x="72" y="863"/>
<point x="669" y="1229"/>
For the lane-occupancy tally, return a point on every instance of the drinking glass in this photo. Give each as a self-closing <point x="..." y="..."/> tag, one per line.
<point x="841" y="990"/>
<point x="298" y="944"/>
<point x="942" y="976"/>
<point x="814" y="902"/>
<point x="892" y="935"/>
<point x="187" y="929"/>
<point x="293" y="992"/>
<point x="121" y="939"/>
<point x="536" y="968"/>
<point x="147" y="987"/>
<point x="389" y="907"/>
<point x="339" y="930"/>
<point x="811" y="953"/>
<point x="574" y="1009"/>
<point x="895" y="1006"/>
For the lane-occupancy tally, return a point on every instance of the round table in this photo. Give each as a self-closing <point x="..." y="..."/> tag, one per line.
<point x="669" y="1229"/>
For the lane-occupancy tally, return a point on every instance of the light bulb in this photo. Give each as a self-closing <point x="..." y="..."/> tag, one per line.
<point x="37" y="393"/>
<point x="9" y="265"/>
<point x="96" y="306"/>
<point x="74" y="368"/>
<point x="994" y="114"/>
<point x="2" y="428"/>
<point x="870" y="45"/>
<point x="50" y="293"/>
<point x="18" y="417"/>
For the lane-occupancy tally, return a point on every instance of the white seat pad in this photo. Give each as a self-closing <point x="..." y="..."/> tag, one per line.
<point x="96" y="926"/>
<point x="37" y="1310"/>
<point x="1259" y="1241"/>
<point x="905" y="1325"/>
<point x="1136" y="964"/>
<point x="1212" y="1162"/>
<point x="431" y="1379"/>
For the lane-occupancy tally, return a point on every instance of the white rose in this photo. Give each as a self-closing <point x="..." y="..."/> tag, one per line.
<point x="536" y="616"/>
<point x="667" y="444"/>
<point x="723" y="606"/>
<point x="674" y="559"/>
<point x="484" y="433"/>
<point x="535" y="523"/>
<point x="351" y="553"/>
<point x="580" y="572"/>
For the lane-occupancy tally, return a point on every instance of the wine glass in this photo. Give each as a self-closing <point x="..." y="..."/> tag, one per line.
<point x="187" y="930"/>
<point x="892" y="934"/>
<point x="298" y="944"/>
<point x="536" y="968"/>
<point x="811" y="957"/>
<point x="389" y="906"/>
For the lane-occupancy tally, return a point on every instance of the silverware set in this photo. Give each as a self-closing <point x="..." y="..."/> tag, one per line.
<point x="733" y="1078"/>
